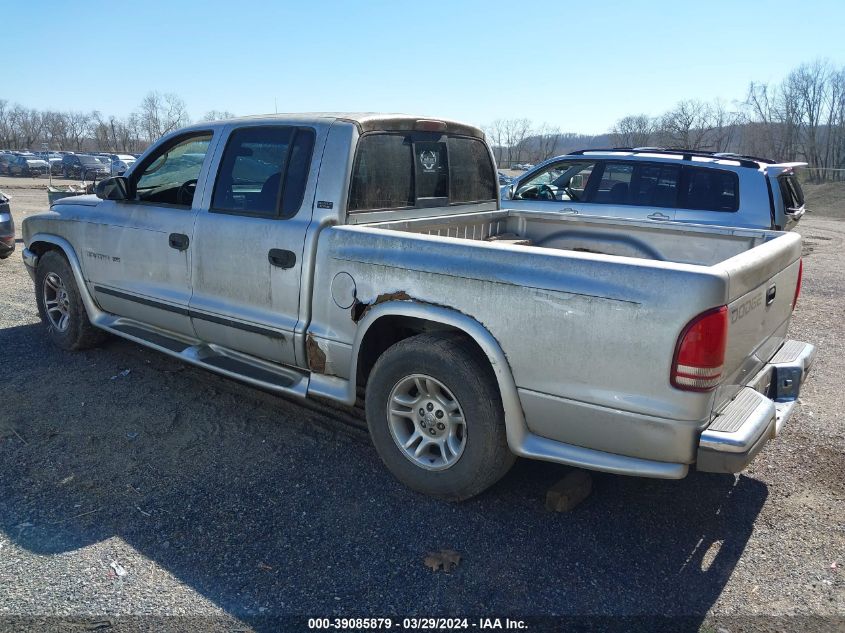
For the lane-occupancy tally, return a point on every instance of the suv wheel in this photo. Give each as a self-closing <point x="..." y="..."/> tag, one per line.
<point x="436" y="418"/>
<point x="60" y="305"/>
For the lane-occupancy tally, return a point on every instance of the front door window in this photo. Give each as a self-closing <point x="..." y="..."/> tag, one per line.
<point x="170" y="176"/>
<point x="557" y="183"/>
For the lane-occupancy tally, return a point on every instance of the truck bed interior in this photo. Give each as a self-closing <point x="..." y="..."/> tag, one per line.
<point x="609" y="236"/>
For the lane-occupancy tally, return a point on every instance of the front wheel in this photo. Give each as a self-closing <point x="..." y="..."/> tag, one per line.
<point x="436" y="418"/>
<point x="60" y="304"/>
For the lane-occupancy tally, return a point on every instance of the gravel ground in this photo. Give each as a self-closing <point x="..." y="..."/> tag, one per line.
<point x="133" y="484"/>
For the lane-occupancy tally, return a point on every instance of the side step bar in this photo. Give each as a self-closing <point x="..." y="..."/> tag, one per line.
<point x="221" y="360"/>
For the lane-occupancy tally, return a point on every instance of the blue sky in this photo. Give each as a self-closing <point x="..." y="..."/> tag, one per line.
<point x="576" y="65"/>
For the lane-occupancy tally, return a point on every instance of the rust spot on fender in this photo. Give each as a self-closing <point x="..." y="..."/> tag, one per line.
<point x="316" y="356"/>
<point x="359" y="309"/>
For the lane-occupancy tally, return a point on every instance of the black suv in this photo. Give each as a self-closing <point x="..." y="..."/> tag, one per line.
<point x="84" y="167"/>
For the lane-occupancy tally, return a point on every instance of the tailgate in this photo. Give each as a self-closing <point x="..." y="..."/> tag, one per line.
<point x="762" y="283"/>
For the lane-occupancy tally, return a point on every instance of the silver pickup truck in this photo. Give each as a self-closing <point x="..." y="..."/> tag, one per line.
<point x="352" y="256"/>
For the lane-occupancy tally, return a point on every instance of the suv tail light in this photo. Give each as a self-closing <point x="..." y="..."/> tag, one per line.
<point x="700" y="352"/>
<point x="798" y="283"/>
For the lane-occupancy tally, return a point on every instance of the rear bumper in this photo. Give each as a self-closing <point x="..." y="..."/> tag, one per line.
<point x="7" y="245"/>
<point x="757" y="413"/>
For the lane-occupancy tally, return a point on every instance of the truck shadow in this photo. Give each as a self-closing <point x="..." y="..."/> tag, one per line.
<point x="268" y="508"/>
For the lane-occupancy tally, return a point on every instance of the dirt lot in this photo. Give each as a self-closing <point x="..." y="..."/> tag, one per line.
<point x="133" y="484"/>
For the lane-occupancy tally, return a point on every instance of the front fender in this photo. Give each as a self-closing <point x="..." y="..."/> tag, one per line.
<point x="73" y="259"/>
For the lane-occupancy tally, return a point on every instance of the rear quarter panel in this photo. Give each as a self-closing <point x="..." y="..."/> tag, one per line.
<point x="593" y="328"/>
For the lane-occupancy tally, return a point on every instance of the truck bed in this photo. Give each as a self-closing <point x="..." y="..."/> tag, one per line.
<point x="664" y="241"/>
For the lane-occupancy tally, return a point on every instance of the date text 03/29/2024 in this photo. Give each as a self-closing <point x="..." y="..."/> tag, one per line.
<point x="416" y="624"/>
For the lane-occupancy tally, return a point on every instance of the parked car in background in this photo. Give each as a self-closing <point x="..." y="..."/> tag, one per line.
<point x="84" y="166"/>
<point x="6" y="159"/>
<point x="27" y="165"/>
<point x="503" y="179"/>
<point x="7" y="228"/>
<point x="338" y="255"/>
<point x="54" y="159"/>
<point x="657" y="184"/>
<point x="120" y="163"/>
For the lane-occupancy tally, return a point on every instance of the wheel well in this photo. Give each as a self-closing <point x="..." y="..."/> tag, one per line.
<point x="39" y="248"/>
<point x="389" y="330"/>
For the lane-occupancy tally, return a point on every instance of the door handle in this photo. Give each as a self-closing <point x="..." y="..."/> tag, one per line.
<point x="179" y="241"/>
<point x="658" y="216"/>
<point x="281" y="258"/>
<point x="770" y="295"/>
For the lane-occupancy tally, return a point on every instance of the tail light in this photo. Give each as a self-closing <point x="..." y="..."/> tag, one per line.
<point x="700" y="352"/>
<point x="798" y="283"/>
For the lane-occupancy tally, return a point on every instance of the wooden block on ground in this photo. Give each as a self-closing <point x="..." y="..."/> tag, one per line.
<point x="571" y="490"/>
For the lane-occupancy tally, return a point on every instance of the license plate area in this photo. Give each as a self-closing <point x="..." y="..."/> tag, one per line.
<point x="762" y="382"/>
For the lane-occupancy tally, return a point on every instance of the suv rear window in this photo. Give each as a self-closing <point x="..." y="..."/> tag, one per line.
<point x="791" y="192"/>
<point x="709" y="189"/>
<point x="394" y="171"/>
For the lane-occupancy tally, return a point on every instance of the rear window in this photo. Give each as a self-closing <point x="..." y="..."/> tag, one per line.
<point x="394" y="171"/>
<point x="791" y="192"/>
<point x="709" y="190"/>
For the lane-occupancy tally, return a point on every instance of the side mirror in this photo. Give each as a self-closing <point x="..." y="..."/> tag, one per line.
<point x="114" y="188"/>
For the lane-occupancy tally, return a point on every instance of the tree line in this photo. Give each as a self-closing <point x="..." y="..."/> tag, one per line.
<point x="158" y="113"/>
<point x="801" y="118"/>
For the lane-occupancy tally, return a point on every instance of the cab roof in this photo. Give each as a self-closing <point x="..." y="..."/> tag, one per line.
<point x="364" y="121"/>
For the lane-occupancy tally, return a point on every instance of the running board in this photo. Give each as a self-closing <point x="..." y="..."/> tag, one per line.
<point x="254" y="371"/>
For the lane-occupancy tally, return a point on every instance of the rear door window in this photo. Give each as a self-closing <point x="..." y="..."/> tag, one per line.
<point x="263" y="171"/>
<point x="638" y="184"/>
<point x="395" y="171"/>
<point x="709" y="189"/>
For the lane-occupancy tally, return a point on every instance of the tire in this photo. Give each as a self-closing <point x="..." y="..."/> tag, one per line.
<point x="461" y="378"/>
<point x="69" y="328"/>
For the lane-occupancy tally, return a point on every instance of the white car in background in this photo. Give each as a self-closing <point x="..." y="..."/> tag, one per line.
<point x="120" y="163"/>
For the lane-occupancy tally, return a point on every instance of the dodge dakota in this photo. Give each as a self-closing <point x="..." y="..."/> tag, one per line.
<point x="362" y="256"/>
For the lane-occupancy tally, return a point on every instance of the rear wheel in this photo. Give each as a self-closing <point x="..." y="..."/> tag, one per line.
<point x="60" y="304"/>
<point x="436" y="418"/>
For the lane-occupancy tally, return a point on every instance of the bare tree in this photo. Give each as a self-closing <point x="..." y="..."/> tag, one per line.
<point x="217" y="115"/>
<point x="802" y="118"/>
<point x="515" y="132"/>
<point x="635" y="130"/>
<point x="495" y="133"/>
<point x="687" y="125"/>
<point x="548" y="138"/>
<point x="5" y="124"/>
<point x="78" y="127"/>
<point x="161" y="114"/>
<point x="723" y="125"/>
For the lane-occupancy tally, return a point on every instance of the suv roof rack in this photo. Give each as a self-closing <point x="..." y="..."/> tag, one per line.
<point x="687" y="154"/>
